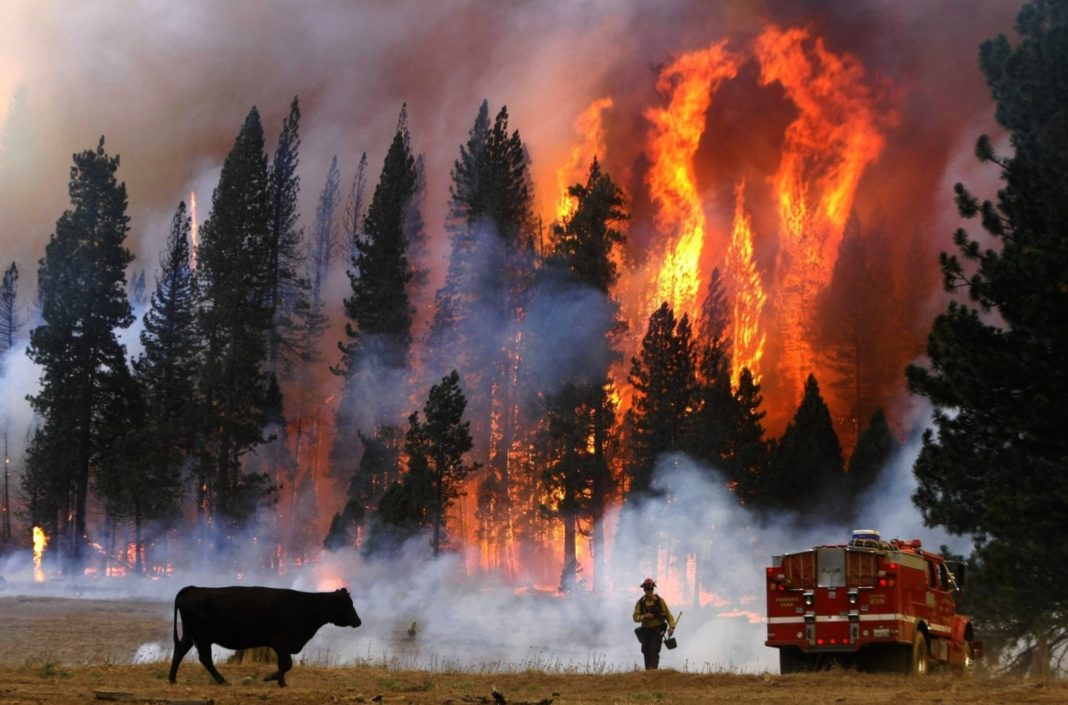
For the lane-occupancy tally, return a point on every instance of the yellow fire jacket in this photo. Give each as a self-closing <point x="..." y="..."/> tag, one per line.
<point x="656" y="605"/>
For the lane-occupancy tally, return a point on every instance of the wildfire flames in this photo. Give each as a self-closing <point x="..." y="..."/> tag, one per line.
<point x="836" y="134"/>
<point x="835" y="131"/>
<point x="590" y="126"/>
<point x="689" y="83"/>
<point x="40" y="541"/>
<point x="746" y="293"/>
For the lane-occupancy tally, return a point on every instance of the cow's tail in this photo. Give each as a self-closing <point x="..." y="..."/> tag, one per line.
<point x="176" y="598"/>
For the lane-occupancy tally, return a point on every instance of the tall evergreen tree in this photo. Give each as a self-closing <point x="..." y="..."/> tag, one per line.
<point x="356" y="207"/>
<point x="749" y="448"/>
<point x="995" y="468"/>
<point x="711" y="428"/>
<point x="164" y="430"/>
<point x="235" y="317"/>
<point x="9" y="315"/>
<point x="854" y="308"/>
<point x="663" y="377"/>
<point x="378" y="310"/>
<point x="436" y="448"/>
<point x="323" y="246"/>
<point x="874" y="449"/>
<point x="478" y="311"/>
<point x="806" y="463"/>
<point x="287" y="288"/>
<point x="81" y="288"/>
<point x="713" y="323"/>
<point x="579" y="415"/>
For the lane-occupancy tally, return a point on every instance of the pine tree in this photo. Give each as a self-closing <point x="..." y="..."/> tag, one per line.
<point x="663" y="376"/>
<point x="9" y="315"/>
<point x="323" y="245"/>
<point x="875" y="447"/>
<point x="355" y="208"/>
<point x="749" y="448"/>
<point x="710" y="434"/>
<point x="579" y="415"/>
<point x="477" y="317"/>
<point x="287" y="289"/>
<point x="436" y="448"/>
<point x="715" y="317"/>
<point x="806" y="463"/>
<point x="235" y="318"/>
<point x="854" y="308"/>
<point x="378" y="469"/>
<point x="378" y="310"/>
<point x="997" y="375"/>
<point x="81" y="288"/>
<point x="163" y="429"/>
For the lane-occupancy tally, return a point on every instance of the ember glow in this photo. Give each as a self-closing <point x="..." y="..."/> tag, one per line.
<point x="40" y="542"/>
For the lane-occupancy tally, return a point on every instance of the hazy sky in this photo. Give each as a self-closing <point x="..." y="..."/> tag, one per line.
<point x="169" y="84"/>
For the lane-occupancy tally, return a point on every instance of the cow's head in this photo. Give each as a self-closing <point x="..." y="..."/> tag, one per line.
<point x="343" y="613"/>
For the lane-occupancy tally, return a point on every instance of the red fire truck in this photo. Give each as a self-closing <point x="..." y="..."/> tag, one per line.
<point x="871" y="604"/>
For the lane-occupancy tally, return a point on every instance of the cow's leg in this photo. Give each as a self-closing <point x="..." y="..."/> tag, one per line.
<point x="285" y="663"/>
<point x="181" y="648"/>
<point x="204" y="651"/>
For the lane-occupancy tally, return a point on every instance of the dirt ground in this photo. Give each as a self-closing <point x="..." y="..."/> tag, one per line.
<point x="80" y="651"/>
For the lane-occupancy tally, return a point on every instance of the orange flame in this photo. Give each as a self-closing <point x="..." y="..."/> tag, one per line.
<point x="836" y="134"/>
<point x="589" y="125"/>
<point x="746" y="293"/>
<point x="40" y="542"/>
<point x="677" y="129"/>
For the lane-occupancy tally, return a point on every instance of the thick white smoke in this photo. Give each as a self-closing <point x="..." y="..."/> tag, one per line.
<point x="427" y="614"/>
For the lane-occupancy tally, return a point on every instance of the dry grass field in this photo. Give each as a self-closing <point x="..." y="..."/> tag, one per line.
<point x="80" y="651"/>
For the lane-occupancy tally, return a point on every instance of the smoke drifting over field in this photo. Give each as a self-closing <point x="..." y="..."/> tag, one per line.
<point x="478" y="622"/>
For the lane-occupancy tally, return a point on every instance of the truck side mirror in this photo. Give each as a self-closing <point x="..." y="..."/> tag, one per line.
<point x="960" y="573"/>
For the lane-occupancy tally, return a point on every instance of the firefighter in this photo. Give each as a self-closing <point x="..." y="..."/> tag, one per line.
<point x="655" y="618"/>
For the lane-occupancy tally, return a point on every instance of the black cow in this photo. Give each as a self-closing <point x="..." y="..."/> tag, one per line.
<point x="248" y="617"/>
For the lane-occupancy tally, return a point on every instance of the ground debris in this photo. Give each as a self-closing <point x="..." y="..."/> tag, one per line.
<point x="132" y="698"/>
<point x="497" y="698"/>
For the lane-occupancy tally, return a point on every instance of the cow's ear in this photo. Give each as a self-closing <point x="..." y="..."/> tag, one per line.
<point x="343" y="591"/>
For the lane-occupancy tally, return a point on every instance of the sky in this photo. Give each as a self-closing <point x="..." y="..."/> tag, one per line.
<point x="168" y="85"/>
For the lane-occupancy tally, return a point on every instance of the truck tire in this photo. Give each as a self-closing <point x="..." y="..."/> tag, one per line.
<point x="918" y="661"/>
<point x="793" y="660"/>
<point x="966" y="668"/>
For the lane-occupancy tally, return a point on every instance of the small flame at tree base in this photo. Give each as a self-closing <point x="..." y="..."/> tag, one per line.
<point x="40" y="541"/>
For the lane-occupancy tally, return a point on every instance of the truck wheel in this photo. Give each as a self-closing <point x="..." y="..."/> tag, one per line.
<point x="917" y="665"/>
<point x="967" y="666"/>
<point x="792" y="660"/>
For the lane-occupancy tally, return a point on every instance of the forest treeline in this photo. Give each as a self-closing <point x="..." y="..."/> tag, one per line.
<point x="506" y="398"/>
<point x="201" y="429"/>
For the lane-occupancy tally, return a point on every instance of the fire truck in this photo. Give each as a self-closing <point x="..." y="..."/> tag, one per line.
<point x="886" y="606"/>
